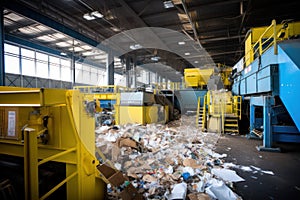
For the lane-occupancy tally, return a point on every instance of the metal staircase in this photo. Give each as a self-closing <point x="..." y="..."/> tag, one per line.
<point x="231" y="124"/>
<point x="201" y="113"/>
<point x="200" y="118"/>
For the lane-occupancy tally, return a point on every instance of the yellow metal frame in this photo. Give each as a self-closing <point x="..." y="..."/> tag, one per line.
<point x="72" y="141"/>
<point x="198" y="111"/>
<point x="170" y="85"/>
<point x="107" y="92"/>
<point x="257" y="38"/>
<point x="204" y="120"/>
<point x="220" y="109"/>
<point x="237" y="106"/>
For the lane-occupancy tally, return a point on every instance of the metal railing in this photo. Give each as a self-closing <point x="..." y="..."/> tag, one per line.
<point x="198" y="112"/>
<point x="31" y="163"/>
<point x="262" y="44"/>
<point x="169" y="85"/>
<point x="102" y="89"/>
<point x="237" y="106"/>
<point x="204" y="113"/>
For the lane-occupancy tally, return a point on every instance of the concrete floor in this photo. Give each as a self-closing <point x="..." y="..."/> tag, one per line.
<point x="284" y="184"/>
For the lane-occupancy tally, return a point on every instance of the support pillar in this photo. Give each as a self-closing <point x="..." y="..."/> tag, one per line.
<point x="110" y="68"/>
<point x="252" y="119"/>
<point x="149" y="77"/>
<point x="266" y="102"/>
<point x="134" y="73"/>
<point x="127" y="71"/>
<point x="267" y="123"/>
<point x="159" y="79"/>
<point x="73" y="70"/>
<point x="2" y="69"/>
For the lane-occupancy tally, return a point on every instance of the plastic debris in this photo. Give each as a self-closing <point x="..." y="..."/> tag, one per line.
<point x="188" y="170"/>
<point x="267" y="172"/>
<point x="186" y="175"/>
<point x="246" y="168"/>
<point x="220" y="191"/>
<point x="118" y="166"/>
<point x="178" y="192"/>
<point x="200" y="186"/>
<point x="227" y="175"/>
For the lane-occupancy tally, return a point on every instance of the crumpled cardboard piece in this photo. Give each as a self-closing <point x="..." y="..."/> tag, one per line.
<point x="115" y="152"/>
<point x="149" y="178"/>
<point x="176" y="175"/>
<point x="126" y="142"/>
<point x="198" y="196"/>
<point x="191" y="163"/>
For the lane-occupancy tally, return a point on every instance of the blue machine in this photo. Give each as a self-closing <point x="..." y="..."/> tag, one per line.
<point x="272" y="84"/>
<point x="187" y="98"/>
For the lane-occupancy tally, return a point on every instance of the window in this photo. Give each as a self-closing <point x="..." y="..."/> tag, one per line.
<point x="94" y="76"/>
<point x="65" y="70"/>
<point x="27" y="53"/>
<point x="42" y="69"/>
<point x="11" y="59"/>
<point x="8" y="48"/>
<point x="27" y="60"/>
<point x="28" y="67"/>
<point x="86" y="73"/>
<point x="54" y="68"/>
<point x="101" y="77"/>
<point x="41" y="65"/>
<point x="78" y="73"/>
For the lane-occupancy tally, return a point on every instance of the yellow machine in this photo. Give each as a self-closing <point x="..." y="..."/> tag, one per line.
<point x="259" y="39"/>
<point x="221" y="111"/>
<point x="140" y="107"/>
<point x="128" y="106"/>
<point x="195" y="77"/>
<point x="48" y="128"/>
<point x="199" y="78"/>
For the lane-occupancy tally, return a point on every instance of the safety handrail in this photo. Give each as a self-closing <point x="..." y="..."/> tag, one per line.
<point x="31" y="164"/>
<point x="198" y="112"/>
<point x="260" y="44"/>
<point x="204" y="113"/>
<point x="105" y="88"/>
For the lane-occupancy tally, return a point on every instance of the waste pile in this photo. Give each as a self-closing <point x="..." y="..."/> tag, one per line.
<point x="172" y="161"/>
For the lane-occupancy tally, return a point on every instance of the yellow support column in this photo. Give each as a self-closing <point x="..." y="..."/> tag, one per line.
<point x="31" y="165"/>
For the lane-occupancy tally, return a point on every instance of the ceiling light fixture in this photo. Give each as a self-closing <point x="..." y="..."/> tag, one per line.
<point x="181" y="43"/>
<point x="115" y="29"/>
<point x="168" y="4"/>
<point x="88" y="16"/>
<point x="97" y="14"/>
<point x="187" y="53"/>
<point x="155" y="58"/>
<point x="135" y="46"/>
<point x="196" y="61"/>
<point x="93" y="15"/>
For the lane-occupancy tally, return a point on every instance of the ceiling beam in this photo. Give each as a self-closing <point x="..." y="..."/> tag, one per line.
<point x="217" y="39"/>
<point x="194" y="7"/>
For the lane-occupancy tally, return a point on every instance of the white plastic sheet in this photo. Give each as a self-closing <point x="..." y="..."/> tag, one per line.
<point x="178" y="192"/>
<point x="227" y="175"/>
<point x="220" y="191"/>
